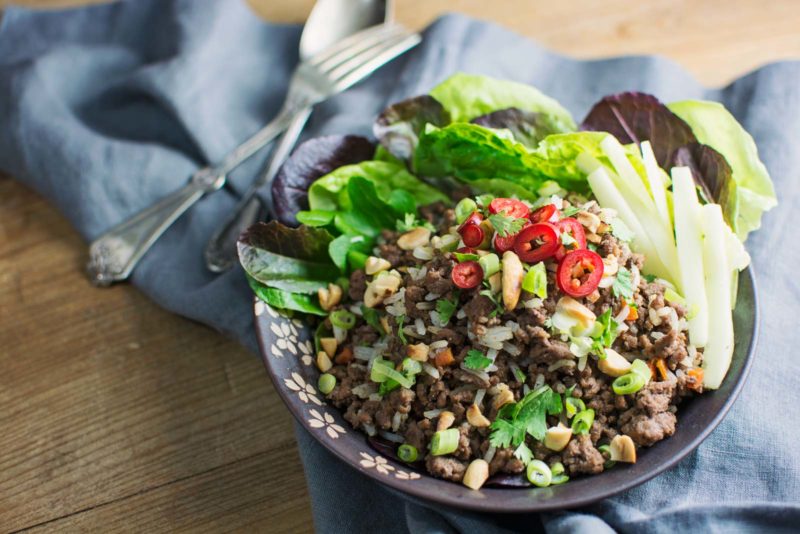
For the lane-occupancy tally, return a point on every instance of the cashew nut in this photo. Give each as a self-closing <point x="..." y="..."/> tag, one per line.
<point x="622" y="449"/>
<point x="374" y="265"/>
<point x="476" y="418"/>
<point x="445" y="421"/>
<point x="477" y="474"/>
<point x="380" y="289"/>
<point x="323" y="361"/>
<point x="614" y="364"/>
<point x="557" y="437"/>
<point x="418" y="352"/>
<point x="329" y="345"/>
<point x="512" y="279"/>
<point x="414" y="238"/>
<point x="330" y="297"/>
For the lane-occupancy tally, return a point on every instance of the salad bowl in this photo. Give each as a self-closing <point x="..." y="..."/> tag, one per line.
<point x="287" y="350"/>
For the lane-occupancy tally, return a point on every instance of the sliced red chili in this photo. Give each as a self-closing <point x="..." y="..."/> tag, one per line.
<point x="476" y="218"/>
<point x="466" y="250"/>
<point x="575" y="229"/>
<point x="579" y="273"/>
<point x="503" y="244"/>
<point x="536" y="242"/>
<point x="467" y="274"/>
<point x="472" y="235"/>
<point x="510" y="206"/>
<point x="547" y="213"/>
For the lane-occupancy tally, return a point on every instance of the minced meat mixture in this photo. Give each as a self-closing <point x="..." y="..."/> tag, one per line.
<point x="399" y="314"/>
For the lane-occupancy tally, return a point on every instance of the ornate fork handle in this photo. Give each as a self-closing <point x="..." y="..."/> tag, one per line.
<point x="114" y="255"/>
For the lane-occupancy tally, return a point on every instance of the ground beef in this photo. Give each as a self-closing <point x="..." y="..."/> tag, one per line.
<point x="656" y="397"/>
<point x="446" y="467"/>
<point x="581" y="457"/>
<point x="438" y="280"/>
<point x="358" y="285"/>
<point x="478" y="309"/>
<point x="505" y="462"/>
<point x="670" y="347"/>
<point x="644" y="429"/>
<point x="415" y="436"/>
<point x="550" y="351"/>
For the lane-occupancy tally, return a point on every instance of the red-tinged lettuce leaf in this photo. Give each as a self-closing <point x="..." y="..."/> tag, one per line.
<point x="635" y="117"/>
<point x="285" y="300"/>
<point x="399" y="126"/>
<point x="712" y="174"/>
<point x="312" y="160"/>
<point x="290" y="259"/>
<point x="527" y="127"/>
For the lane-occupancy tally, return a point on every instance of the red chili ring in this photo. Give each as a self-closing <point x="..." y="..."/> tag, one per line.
<point x="510" y="206"/>
<point x="503" y="244"/>
<point x="472" y="235"/>
<point x="578" y="262"/>
<point x="536" y="242"/>
<point x="467" y="274"/>
<point x="547" y="213"/>
<point x="574" y="227"/>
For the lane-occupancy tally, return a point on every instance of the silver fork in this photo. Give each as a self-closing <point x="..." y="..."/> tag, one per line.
<point x="114" y="255"/>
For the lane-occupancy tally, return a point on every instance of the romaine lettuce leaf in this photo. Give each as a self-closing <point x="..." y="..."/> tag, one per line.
<point x="291" y="259"/>
<point x="716" y="127"/>
<point x="526" y="127"/>
<point x="467" y="96"/>
<point x="330" y="191"/>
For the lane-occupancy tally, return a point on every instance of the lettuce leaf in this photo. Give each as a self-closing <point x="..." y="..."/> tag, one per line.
<point x="526" y="127"/>
<point x="285" y="300"/>
<point x="311" y="160"/>
<point x="467" y="96"/>
<point x="294" y="260"/>
<point x="474" y="154"/>
<point x="716" y="127"/>
<point x="398" y="127"/>
<point x="330" y="191"/>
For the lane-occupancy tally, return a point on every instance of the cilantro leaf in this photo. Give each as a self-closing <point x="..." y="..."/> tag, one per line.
<point x="528" y="416"/>
<point x="523" y="453"/>
<point x="608" y="330"/>
<point x="372" y="319"/>
<point x="623" y="284"/>
<point x="410" y="221"/>
<point x="400" y="334"/>
<point x="476" y="360"/>
<point x="650" y="278"/>
<point x="505" y="225"/>
<point x="502" y="433"/>
<point x="621" y="230"/>
<point x="498" y="306"/>
<point x="446" y="308"/>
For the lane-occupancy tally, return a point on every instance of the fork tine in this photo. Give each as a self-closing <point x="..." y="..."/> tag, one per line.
<point x="362" y="65"/>
<point x="358" y="46"/>
<point x="349" y="41"/>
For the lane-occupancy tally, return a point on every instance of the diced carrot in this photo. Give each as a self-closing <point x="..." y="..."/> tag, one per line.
<point x="344" y="357"/>
<point x="697" y="375"/>
<point x="662" y="368"/>
<point x="445" y="358"/>
<point x="633" y="313"/>
<point x="652" y="365"/>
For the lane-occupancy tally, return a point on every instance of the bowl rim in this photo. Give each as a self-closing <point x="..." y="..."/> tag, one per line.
<point x="488" y="505"/>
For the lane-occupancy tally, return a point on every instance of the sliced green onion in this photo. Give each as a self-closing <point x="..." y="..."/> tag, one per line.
<point x="606" y="451"/>
<point x="465" y="208"/>
<point x="539" y="474"/>
<point x="383" y="370"/>
<point x="445" y="441"/>
<point x="465" y="256"/>
<point x="642" y="369"/>
<point x="628" y="384"/>
<point x="326" y="383"/>
<point x="490" y="264"/>
<point x="574" y="406"/>
<point x="535" y="280"/>
<point x="582" y="422"/>
<point x="412" y="367"/>
<point x="407" y="453"/>
<point x="557" y="469"/>
<point x="484" y="200"/>
<point x="343" y="319"/>
<point x="559" y="479"/>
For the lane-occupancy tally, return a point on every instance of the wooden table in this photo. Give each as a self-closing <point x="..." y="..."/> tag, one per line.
<point x="117" y="415"/>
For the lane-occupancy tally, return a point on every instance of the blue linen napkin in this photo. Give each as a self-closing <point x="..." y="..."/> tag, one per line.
<point x="105" y="109"/>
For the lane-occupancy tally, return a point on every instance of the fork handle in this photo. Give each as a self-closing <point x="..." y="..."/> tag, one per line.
<point x="220" y="252"/>
<point x="114" y="255"/>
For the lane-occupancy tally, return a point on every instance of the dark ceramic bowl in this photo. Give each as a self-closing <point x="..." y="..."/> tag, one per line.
<point x="287" y="350"/>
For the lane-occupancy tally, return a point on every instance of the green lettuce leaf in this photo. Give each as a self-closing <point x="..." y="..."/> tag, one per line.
<point x="285" y="300"/>
<point x="290" y="259"/>
<point x="477" y="155"/>
<point x="714" y="126"/>
<point x="330" y="191"/>
<point x="467" y="96"/>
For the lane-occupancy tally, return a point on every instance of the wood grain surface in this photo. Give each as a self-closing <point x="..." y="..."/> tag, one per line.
<point x="117" y="416"/>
